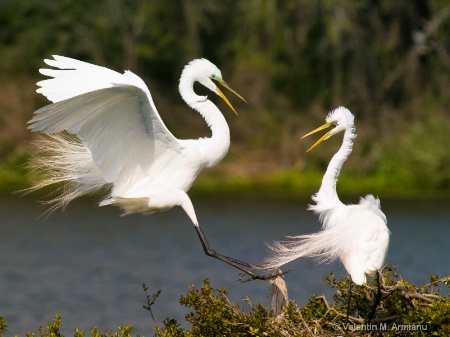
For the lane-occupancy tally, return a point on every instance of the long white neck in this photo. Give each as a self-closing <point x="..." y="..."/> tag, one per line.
<point x="215" y="148"/>
<point x="327" y="199"/>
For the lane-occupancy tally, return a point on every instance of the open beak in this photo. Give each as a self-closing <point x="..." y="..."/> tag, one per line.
<point x="324" y="137"/>
<point x="225" y="98"/>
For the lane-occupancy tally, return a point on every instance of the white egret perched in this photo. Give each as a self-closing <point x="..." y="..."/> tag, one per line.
<point x="122" y="143"/>
<point x="357" y="234"/>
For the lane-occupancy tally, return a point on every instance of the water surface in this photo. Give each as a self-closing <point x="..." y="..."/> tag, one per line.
<point x="88" y="263"/>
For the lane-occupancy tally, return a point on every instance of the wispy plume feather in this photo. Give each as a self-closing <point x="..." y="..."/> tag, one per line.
<point x="63" y="159"/>
<point x="324" y="246"/>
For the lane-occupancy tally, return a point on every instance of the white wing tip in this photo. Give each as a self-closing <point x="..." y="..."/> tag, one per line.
<point x="51" y="62"/>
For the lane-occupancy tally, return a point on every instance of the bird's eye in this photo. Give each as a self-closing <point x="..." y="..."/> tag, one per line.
<point x="216" y="78"/>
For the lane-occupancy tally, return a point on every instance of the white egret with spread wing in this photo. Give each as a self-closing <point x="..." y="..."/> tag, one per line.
<point x="356" y="234"/>
<point x="122" y="143"/>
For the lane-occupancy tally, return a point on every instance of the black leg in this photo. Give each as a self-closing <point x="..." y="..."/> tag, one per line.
<point x="376" y="301"/>
<point x="349" y="295"/>
<point x="241" y="265"/>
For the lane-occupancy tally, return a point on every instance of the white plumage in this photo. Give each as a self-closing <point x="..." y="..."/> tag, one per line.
<point x="356" y="234"/>
<point x="123" y="139"/>
<point x="121" y="142"/>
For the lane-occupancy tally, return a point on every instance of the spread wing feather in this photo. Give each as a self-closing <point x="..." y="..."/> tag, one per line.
<point x="113" y="114"/>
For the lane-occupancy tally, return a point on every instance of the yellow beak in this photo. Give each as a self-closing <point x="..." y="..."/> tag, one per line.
<point x="324" y="137"/>
<point x="225" y="98"/>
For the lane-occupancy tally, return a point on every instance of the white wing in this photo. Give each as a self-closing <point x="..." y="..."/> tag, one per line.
<point x="367" y="241"/>
<point x="112" y="113"/>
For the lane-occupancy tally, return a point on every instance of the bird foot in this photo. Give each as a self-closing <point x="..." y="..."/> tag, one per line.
<point x="248" y="269"/>
<point x="267" y="277"/>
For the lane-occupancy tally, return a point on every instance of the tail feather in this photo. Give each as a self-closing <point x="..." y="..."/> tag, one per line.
<point x="322" y="245"/>
<point x="62" y="158"/>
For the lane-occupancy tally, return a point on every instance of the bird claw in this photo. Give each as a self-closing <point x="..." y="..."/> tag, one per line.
<point x="254" y="276"/>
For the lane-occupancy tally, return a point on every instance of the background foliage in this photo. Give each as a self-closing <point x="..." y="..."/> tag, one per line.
<point x="387" y="61"/>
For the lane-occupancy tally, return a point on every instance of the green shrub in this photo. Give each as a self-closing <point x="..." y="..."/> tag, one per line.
<point x="403" y="307"/>
<point x="404" y="310"/>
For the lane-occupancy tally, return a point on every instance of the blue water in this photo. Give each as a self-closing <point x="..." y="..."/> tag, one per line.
<point x="88" y="263"/>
